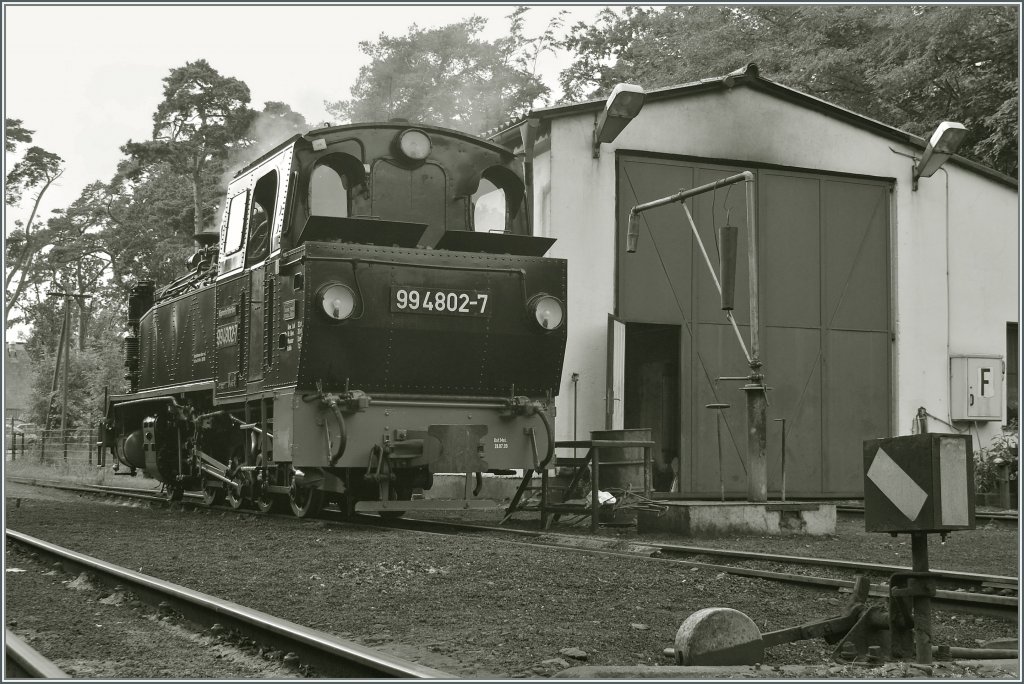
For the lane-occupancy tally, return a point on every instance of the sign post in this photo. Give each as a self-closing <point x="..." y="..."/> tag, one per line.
<point x="918" y="484"/>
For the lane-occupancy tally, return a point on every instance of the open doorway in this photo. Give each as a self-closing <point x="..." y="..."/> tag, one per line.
<point x="651" y="394"/>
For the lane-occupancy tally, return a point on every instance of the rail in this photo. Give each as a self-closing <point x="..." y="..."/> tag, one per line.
<point x="331" y="656"/>
<point x="24" y="662"/>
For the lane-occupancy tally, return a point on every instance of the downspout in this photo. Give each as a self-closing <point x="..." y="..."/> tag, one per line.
<point x="528" y="133"/>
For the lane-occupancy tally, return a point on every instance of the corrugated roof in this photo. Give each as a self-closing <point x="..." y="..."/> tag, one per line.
<point x="750" y="77"/>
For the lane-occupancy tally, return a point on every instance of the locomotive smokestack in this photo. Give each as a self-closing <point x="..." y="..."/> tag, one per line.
<point x="205" y="238"/>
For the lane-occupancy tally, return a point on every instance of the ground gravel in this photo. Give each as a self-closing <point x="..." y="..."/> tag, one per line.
<point x="473" y="606"/>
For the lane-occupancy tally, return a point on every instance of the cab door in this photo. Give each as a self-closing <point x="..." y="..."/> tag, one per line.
<point x="255" y="323"/>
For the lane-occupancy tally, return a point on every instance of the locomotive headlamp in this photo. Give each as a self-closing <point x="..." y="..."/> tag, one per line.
<point x="547" y="311"/>
<point x="337" y="301"/>
<point x="414" y="144"/>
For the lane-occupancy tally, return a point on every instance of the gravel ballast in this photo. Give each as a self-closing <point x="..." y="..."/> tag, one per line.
<point x="475" y="607"/>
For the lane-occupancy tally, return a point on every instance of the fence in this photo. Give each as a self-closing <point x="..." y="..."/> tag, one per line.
<point x="50" y="446"/>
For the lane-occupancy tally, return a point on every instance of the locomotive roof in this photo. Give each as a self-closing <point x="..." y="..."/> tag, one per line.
<point x="397" y="125"/>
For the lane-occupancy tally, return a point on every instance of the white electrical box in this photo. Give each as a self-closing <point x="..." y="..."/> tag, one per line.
<point x="976" y="387"/>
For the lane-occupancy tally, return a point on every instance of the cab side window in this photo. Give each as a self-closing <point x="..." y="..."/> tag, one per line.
<point x="235" y="223"/>
<point x="261" y="215"/>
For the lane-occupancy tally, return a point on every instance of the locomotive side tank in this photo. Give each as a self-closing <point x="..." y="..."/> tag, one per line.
<point x="373" y="310"/>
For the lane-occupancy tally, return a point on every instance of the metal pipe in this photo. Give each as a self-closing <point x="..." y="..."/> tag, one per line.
<point x="595" y="478"/>
<point x="755" y="336"/>
<point x="757" y="468"/>
<point x="739" y="338"/>
<point x="700" y="243"/>
<point x="684" y="194"/>
<point x="922" y="603"/>
<point x="783" y="421"/>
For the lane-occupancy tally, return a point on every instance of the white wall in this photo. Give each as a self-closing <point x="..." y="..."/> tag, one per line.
<point x="575" y="202"/>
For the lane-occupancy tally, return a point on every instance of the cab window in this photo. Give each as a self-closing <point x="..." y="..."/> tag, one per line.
<point x="498" y="202"/>
<point x="489" y="208"/>
<point x="261" y="216"/>
<point x="235" y="223"/>
<point x="328" y="192"/>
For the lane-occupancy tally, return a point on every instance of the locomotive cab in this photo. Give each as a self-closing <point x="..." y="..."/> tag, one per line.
<point x="379" y="313"/>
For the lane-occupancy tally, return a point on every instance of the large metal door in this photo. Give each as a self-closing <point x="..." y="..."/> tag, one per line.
<point x="824" y="288"/>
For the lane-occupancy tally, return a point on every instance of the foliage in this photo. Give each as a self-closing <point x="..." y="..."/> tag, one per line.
<point x="1001" y="452"/>
<point x="91" y="371"/>
<point x="448" y="76"/>
<point x="14" y="133"/>
<point x="910" y="66"/>
<point x="202" y="117"/>
<point x="35" y="172"/>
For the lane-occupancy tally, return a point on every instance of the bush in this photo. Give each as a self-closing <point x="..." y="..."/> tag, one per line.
<point x="1002" y="451"/>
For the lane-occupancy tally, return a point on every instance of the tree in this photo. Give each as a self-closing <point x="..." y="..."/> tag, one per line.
<point x="202" y="116"/>
<point x="909" y="66"/>
<point x="14" y="133"/>
<point x="447" y="76"/>
<point x="35" y="172"/>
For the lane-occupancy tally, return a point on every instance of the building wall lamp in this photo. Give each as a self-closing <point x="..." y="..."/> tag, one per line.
<point x="624" y="103"/>
<point x="945" y="141"/>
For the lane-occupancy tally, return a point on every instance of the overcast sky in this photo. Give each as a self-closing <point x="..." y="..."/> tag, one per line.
<point x="88" y="78"/>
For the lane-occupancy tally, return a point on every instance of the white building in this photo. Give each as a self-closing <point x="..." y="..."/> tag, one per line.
<point x="870" y="290"/>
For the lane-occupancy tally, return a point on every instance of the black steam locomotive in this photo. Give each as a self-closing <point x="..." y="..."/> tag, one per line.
<point x="374" y="310"/>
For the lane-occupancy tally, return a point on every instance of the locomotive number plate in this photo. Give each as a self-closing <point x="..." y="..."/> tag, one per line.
<point x="425" y="300"/>
<point x="227" y="335"/>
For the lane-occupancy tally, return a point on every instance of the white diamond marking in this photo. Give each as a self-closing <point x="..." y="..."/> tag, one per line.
<point x="897" y="486"/>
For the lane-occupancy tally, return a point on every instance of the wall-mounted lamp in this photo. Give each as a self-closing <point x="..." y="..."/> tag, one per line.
<point x="622" y="106"/>
<point x="945" y="141"/>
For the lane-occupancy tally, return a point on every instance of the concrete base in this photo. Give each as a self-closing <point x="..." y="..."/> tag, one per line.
<point x="716" y="519"/>
<point x="453" y="486"/>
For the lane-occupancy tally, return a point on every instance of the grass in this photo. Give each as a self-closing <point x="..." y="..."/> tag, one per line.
<point x="74" y="472"/>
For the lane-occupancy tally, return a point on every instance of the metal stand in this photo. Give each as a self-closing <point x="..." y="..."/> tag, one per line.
<point x="922" y="600"/>
<point x="592" y="459"/>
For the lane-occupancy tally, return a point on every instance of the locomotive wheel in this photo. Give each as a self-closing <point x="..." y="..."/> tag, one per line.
<point x="212" y="495"/>
<point x="237" y="499"/>
<point x="265" y="501"/>
<point x="305" y="502"/>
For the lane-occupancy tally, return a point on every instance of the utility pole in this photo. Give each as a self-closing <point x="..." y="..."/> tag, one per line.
<point x="66" y="351"/>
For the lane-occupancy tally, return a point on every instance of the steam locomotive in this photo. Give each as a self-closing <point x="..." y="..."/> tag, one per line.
<point x="373" y="311"/>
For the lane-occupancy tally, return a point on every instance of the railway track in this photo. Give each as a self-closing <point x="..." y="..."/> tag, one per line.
<point x="1001" y="517"/>
<point x="327" y="654"/>
<point x="24" y="662"/>
<point x="961" y="591"/>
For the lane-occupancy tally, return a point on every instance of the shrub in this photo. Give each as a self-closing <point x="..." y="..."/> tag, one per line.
<point x="1003" y="450"/>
